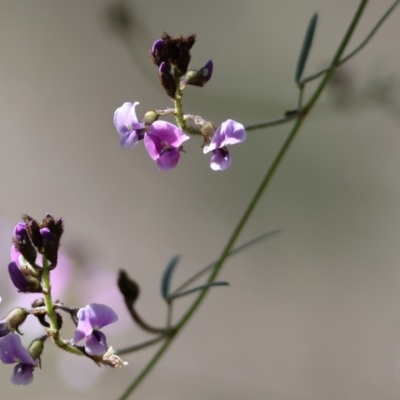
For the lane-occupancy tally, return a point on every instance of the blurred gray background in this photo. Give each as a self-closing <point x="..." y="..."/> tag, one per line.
<point x="311" y="314"/>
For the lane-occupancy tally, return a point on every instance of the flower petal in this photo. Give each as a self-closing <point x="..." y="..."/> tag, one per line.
<point x="220" y="160"/>
<point x="12" y="350"/>
<point x="168" y="133"/>
<point x="17" y="277"/>
<point x="125" y="118"/>
<point x="233" y="131"/>
<point x="22" y="374"/>
<point x="169" y="159"/>
<point x="96" y="343"/>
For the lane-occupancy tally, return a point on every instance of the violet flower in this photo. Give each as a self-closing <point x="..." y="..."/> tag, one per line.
<point x="230" y="132"/>
<point x="127" y="125"/>
<point x="163" y="143"/>
<point x="12" y="351"/>
<point x="90" y="319"/>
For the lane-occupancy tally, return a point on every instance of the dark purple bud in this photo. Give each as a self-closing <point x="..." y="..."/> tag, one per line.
<point x="20" y="232"/>
<point x="47" y="236"/>
<point x="198" y="77"/>
<point x="23" y="279"/>
<point x="167" y="80"/>
<point x="157" y="52"/>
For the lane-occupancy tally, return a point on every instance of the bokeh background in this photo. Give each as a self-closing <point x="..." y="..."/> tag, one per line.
<point x="311" y="314"/>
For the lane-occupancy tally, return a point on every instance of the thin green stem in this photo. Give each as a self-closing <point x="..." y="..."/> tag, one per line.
<point x="273" y="122"/>
<point x="254" y="201"/>
<point x="51" y="313"/>
<point x="47" y="295"/>
<point x="140" y="346"/>
<point x="357" y="49"/>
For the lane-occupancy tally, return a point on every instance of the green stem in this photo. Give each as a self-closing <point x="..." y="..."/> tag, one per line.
<point x="47" y="295"/>
<point x="257" y="196"/>
<point x="274" y="122"/>
<point x="51" y="313"/>
<point x="140" y="346"/>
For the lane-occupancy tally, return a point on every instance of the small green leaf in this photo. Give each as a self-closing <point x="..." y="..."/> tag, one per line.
<point x="166" y="280"/>
<point x="197" y="288"/>
<point x="308" y="39"/>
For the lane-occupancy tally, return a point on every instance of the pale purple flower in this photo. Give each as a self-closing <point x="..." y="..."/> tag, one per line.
<point x="12" y="351"/>
<point x="90" y="319"/>
<point x="163" y="142"/>
<point x="230" y="132"/>
<point x="127" y="125"/>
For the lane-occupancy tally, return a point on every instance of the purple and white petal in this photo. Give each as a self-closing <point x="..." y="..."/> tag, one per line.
<point x="101" y="315"/>
<point x="168" y="133"/>
<point x="96" y="343"/>
<point x="233" y="132"/>
<point x="220" y="159"/>
<point x="22" y="374"/>
<point x="125" y="119"/>
<point x="169" y="159"/>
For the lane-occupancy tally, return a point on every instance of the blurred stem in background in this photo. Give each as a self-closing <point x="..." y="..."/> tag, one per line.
<point x="298" y="116"/>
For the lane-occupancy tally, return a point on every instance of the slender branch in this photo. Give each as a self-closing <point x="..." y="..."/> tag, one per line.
<point x="274" y="122"/>
<point x="140" y="346"/>
<point x="138" y="319"/>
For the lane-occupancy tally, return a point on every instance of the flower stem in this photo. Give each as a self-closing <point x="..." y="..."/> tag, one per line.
<point x="250" y="208"/>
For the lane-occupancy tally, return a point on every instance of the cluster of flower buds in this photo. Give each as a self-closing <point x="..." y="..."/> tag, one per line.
<point x="164" y="140"/>
<point x="32" y="241"/>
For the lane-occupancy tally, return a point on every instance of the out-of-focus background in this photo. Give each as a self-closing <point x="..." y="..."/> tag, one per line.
<point x="313" y="313"/>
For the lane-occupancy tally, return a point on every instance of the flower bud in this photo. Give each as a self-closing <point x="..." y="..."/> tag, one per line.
<point x="128" y="287"/>
<point x="12" y="321"/>
<point x="149" y="118"/>
<point x="167" y="80"/>
<point x="36" y="348"/>
<point x="157" y="52"/>
<point x="23" y="243"/>
<point x="198" y="77"/>
<point x="23" y="278"/>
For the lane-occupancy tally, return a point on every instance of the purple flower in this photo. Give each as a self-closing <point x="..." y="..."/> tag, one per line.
<point x="127" y="125"/>
<point x="12" y="351"/>
<point x="230" y="132"/>
<point x="90" y="320"/>
<point x="163" y="143"/>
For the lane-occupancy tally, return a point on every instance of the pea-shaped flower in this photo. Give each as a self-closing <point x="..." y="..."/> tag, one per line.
<point x="163" y="142"/>
<point x="127" y="125"/>
<point x="12" y="351"/>
<point x="230" y="132"/>
<point x="90" y="319"/>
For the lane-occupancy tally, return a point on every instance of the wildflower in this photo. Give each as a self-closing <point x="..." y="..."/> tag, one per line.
<point x="12" y="351"/>
<point x="90" y="319"/>
<point x="163" y="143"/>
<point x="230" y="132"/>
<point x="127" y="125"/>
